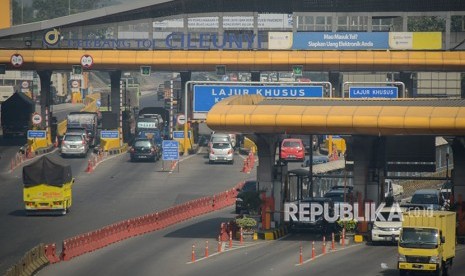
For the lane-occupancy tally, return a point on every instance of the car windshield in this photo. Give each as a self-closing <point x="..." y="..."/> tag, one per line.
<point x="419" y="237"/>
<point x="425" y="199"/>
<point x="142" y="143"/>
<point x="221" y="145"/>
<point x="73" y="138"/>
<point x="220" y="139"/>
<point x="291" y="144"/>
<point x="249" y="186"/>
<point x="336" y="197"/>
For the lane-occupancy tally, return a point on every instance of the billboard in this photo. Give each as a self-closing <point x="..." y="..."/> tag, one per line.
<point x="355" y="40"/>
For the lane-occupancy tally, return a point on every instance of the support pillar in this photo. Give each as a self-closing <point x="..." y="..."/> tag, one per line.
<point x="407" y="79"/>
<point x="367" y="171"/>
<point x="115" y="78"/>
<point x="185" y="77"/>
<point x="270" y="177"/>
<point x="335" y="78"/>
<point x="458" y="175"/>
<point x="45" y="93"/>
<point x="255" y="76"/>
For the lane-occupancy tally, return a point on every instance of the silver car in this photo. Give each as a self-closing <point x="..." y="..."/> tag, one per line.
<point x="221" y="152"/>
<point x="74" y="143"/>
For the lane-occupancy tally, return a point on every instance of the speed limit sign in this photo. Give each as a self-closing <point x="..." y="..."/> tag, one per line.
<point x="87" y="61"/>
<point x="17" y="60"/>
<point x="36" y="119"/>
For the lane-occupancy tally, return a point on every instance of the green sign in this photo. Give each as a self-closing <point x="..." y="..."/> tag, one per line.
<point x="77" y="69"/>
<point x="145" y="70"/>
<point x="297" y="70"/>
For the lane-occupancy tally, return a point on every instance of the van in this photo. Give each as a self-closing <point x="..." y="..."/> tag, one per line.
<point x="219" y="138"/>
<point x="387" y="225"/>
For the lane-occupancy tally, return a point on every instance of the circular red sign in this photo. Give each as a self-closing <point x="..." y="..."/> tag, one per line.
<point x="17" y="60"/>
<point x="36" y="118"/>
<point x="87" y="61"/>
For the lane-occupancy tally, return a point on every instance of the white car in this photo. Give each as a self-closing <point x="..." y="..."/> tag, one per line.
<point x="221" y="152"/>
<point x="386" y="227"/>
<point x="74" y="143"/>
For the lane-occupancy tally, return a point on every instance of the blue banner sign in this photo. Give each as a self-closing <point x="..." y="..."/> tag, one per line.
<point x="38" y="134"/>
<point x="373" y="92"/>
<point x="170" y="150"/>
<point x="109" y="134"/>
<point x="340" y="41"/>
<point x="205" y="96"/>
<point x="180" y="134"/>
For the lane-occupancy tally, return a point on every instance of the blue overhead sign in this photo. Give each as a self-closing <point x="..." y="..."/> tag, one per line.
<point x="170" y="150"/>
<point x="205" y="96"/>
<point x="340" y="41"/>
<point x="109" y="134"/>
<point x="38" y="134"/>
<point x="374" y="92"/>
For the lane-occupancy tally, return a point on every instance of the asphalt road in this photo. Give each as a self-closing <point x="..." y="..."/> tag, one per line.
<point x="168" y="252"/>
<point x="117" y="190"/>
<point x="9" y="147"/>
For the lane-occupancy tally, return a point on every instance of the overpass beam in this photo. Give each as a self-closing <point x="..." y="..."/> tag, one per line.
<point x="45" y="93"/>
<point x="268" y="178"/>
<point x="115" y="94"/>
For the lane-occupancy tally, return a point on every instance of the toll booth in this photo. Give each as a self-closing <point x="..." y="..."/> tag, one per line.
<point x="325" y="176"/>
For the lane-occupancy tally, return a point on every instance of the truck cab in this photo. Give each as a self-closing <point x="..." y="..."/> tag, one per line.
<point x="427" y="242"/>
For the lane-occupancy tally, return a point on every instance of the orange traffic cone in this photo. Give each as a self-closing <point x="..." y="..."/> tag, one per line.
<point x="56" y="142"/>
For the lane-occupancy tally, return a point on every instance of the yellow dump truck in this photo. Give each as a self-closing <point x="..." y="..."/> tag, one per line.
<point x="47" y="186"/>
<point x="427" y="242"/>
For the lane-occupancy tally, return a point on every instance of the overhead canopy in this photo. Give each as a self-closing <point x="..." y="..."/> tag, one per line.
<point x="257" y="114"/>
<point x="48" y="169"/>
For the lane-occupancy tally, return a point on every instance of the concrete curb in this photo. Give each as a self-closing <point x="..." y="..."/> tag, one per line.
<point x="272" y="234"/>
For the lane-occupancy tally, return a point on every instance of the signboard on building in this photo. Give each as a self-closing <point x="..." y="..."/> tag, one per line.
<point x="373" y="92"/>
<point x="205" y="96"/>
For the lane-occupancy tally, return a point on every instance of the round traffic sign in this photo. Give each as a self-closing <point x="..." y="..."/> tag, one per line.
<point x="36" y="118"/>
<point x="75" y="84"/>
<point x="87" y="61"/>
<point x="25" y="84"/>
<point x="181" y="119"/>
<point x="17" y="60"/>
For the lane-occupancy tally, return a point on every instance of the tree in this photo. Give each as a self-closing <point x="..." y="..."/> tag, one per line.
<point x="22" y="14"/>
<point x="48" y="9"/>
<point x="426" y="24"/>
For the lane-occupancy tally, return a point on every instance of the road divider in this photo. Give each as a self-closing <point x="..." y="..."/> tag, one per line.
<point x="91" y="241"/>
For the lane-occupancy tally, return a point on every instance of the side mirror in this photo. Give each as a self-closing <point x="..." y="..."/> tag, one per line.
<point x="443" y="239"/>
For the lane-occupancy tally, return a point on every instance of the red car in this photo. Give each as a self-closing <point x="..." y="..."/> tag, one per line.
<point x="292" y="149"/>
